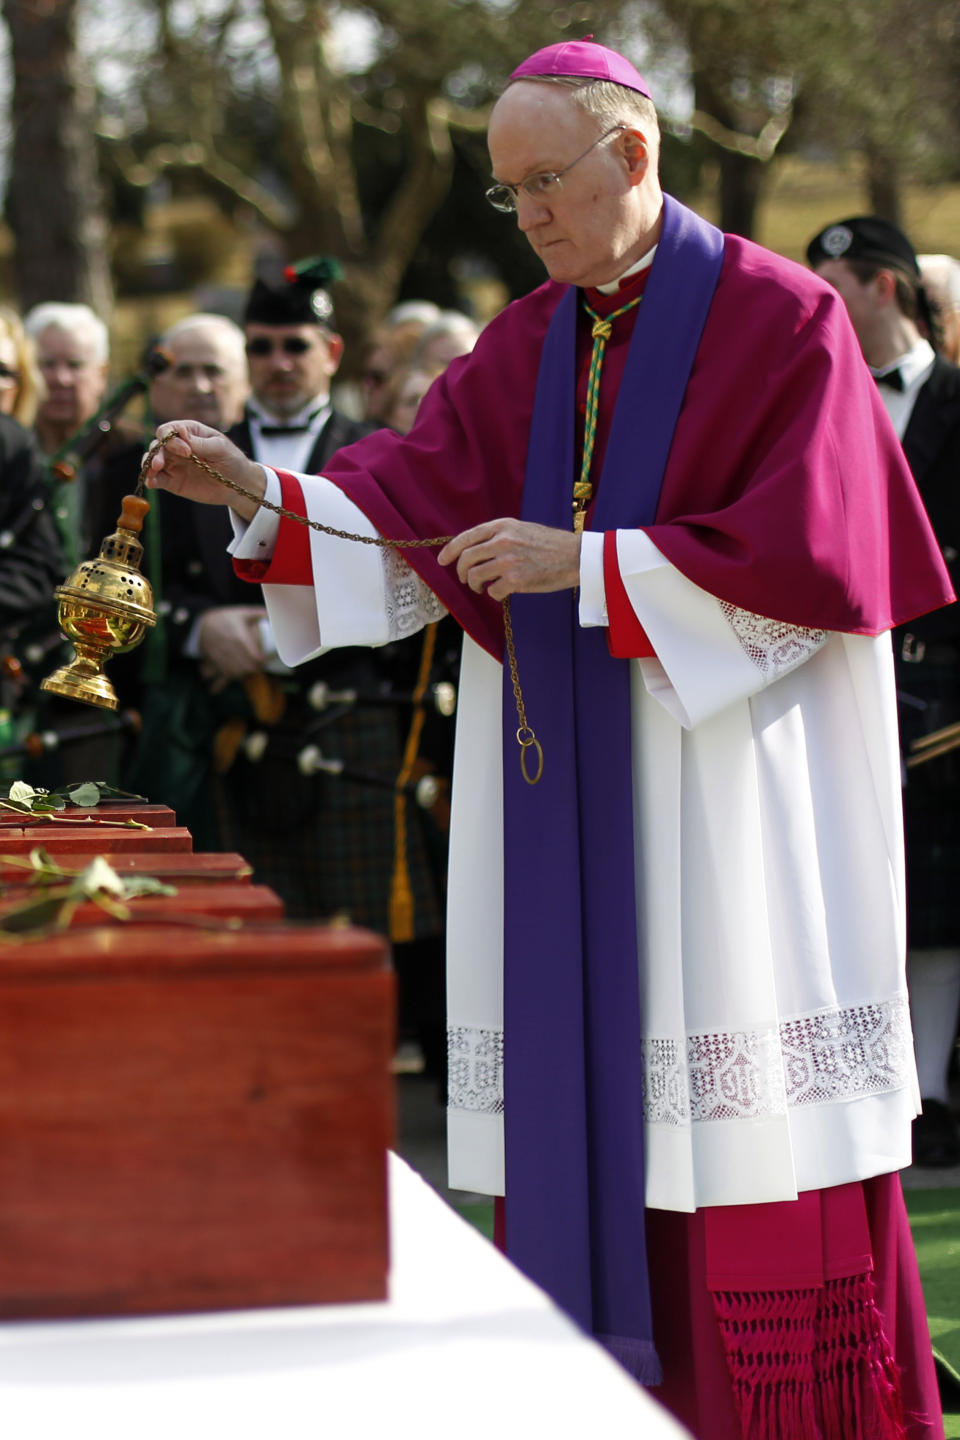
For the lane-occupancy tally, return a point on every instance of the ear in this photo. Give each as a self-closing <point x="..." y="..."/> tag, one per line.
<point x="885" y="286"/>
<point x="334" y="350"/>
<point x="633" y="144"/>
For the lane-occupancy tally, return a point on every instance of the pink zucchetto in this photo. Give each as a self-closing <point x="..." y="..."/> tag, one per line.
<point x="585" y="59"/>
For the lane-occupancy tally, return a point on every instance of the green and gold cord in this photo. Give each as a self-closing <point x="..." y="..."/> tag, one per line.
<point x="602" y="330"/>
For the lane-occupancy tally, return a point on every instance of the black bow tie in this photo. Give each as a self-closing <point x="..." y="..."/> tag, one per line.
<point x="892" y="378"/>
<point x="267" y="431"/>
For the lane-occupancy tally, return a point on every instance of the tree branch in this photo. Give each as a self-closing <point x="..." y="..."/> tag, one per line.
<point x="761" y="147"/>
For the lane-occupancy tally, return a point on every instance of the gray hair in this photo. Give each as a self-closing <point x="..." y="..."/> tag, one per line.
<point x="231" y="334"/>
<point x="420" y="312"/>
<point x="611" y="104"/>
<point x="450" y="322"/>
<point x="76" y="320"/>
<point x="941" y="274"/>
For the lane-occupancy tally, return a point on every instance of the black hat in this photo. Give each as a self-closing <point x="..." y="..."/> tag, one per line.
<point x="300" y="299"/>
<point x="865" y="237"/>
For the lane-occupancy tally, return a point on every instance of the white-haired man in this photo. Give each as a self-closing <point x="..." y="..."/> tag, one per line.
<point x="73" y="353"/>
<point x="941" y="280"/>
<point x="676" y="973"/>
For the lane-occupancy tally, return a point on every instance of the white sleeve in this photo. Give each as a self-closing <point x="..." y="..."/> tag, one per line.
<point x="708" y="653"/>
<point x="361" y="594"/>
<point x="257" y="539"/>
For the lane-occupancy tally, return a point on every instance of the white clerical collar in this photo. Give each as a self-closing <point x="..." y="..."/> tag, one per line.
<point x="912" y="365"/>
<point x="313" y="416"/>
<point x="642" y="264"/>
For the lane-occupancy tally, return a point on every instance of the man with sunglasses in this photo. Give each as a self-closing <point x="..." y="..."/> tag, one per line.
<point x="293" y="353"/>
<point x="676" y="971"/>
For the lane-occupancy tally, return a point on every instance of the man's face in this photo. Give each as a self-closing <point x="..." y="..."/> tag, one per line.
<point x="586" y="233"/>
<point x="291" y="365"/>
<point x="860" y="297"/>
<point x="207" y="380"/>
<point x="75" y="380"/>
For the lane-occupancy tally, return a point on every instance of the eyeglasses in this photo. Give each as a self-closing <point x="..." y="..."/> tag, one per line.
<point x="290" y="345"/>
<point x="8" y="376"/>
<point x="503" y="197"/>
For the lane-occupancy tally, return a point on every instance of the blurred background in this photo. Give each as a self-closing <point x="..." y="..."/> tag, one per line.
<point x="157" y="153"/>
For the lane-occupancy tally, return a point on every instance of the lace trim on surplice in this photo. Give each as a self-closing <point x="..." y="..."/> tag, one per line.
<point x="475" y="1069"/>
<point x="410" y="603"/>
<point x="775" y="647"/>
<point x="827" y="1056"/>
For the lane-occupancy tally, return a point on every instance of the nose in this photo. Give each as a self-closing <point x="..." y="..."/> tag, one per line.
<point x="530" y="212"/>
<point x="59" y="373"/>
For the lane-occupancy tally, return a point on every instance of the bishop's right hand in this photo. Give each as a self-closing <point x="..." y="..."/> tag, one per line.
<point x="172" y="467"/>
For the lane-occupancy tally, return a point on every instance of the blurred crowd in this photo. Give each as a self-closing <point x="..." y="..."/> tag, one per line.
<point x="333" y="780"/>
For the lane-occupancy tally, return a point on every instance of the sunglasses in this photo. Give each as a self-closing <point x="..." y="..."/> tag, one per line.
<point x="291" y="345"/>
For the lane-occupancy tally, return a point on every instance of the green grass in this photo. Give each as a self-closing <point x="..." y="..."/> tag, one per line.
<point x="935" y="1222"/>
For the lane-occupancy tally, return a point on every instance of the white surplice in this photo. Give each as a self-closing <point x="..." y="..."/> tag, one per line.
<point x="769" y="852"/>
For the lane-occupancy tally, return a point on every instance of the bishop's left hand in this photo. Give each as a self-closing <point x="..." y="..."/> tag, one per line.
<point x="512" y="557"/>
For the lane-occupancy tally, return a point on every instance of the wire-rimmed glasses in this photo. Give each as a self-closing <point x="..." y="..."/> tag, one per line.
<point x="503" y="197"/>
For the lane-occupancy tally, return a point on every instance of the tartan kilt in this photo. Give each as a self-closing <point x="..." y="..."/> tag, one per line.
<point x="325" y="843"/>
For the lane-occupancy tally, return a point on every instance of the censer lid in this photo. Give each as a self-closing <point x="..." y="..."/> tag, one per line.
<point x="113" y="578"/>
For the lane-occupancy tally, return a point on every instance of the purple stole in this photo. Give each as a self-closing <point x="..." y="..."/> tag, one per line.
<point x="573" y="1055"/>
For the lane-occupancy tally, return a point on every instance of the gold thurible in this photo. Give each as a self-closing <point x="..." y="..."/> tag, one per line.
<point x="105" y="608"/>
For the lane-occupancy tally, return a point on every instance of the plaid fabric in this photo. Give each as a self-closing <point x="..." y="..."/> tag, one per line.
<point x="326" y="843"/>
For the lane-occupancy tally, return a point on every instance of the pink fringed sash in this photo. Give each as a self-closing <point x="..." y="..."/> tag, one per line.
<point x="811" y="1364"/>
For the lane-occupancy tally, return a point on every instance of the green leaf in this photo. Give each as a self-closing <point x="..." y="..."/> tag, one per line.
<point x="46" y="804"/>
<point x="134" y="885"/>
<point x="86" y="795"/>
<point x="20" y="790"/>
<point x="110" y="792"/>
<point x="36" y="915"/>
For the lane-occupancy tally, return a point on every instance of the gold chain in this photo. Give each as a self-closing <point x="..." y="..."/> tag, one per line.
<point x="526" y="739"/>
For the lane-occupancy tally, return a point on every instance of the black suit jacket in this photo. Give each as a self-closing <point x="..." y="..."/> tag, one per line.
<point x="197" y="571"/>
<point x="931" y="444"/>
<point x="31" y="563"/>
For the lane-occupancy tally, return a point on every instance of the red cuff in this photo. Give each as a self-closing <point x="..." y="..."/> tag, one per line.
<point x="626" y="637"/>
<point x="291" y="563"/>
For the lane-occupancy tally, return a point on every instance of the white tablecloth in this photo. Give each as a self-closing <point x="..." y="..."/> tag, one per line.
<point x="464" y="1348"/>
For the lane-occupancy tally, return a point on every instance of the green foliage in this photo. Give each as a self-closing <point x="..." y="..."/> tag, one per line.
<point x="86" y="795"/>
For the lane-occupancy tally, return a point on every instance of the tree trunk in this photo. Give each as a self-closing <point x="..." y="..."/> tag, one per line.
<point x="54" y="203"/>
<point x="742" y="180"/>
<point x="883" y="185"/>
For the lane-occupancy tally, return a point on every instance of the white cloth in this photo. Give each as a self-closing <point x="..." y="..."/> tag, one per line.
<point x="463" y="1341"/>
<point x="287" y="452"/>
<point x="915" y="368"/>
<point x="769" y="882"/>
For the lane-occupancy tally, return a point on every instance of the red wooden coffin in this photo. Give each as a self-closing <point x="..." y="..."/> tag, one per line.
<point x="180" y="868"/>
<point x="91" y="837"/>
<point x="159" y="816"/>
<point x="190" y="905"/>
<point x="193" y="1120"/>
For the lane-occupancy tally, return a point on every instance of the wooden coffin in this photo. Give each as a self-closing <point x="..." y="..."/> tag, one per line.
<point x="91" y="837"/>
<point x="193" y="1120"/>
<point x="180" y="868"/>
<point x="190" y="905"/>
<point x="159" y="816"/>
